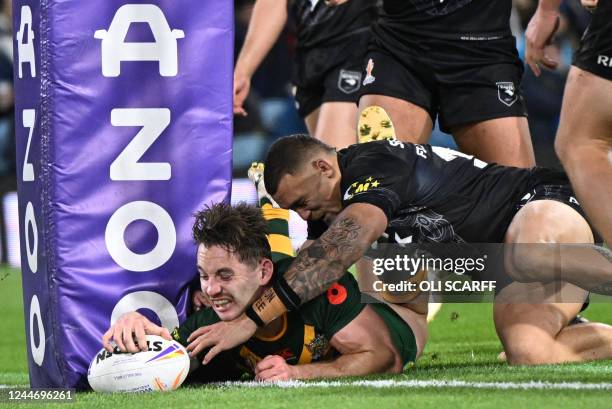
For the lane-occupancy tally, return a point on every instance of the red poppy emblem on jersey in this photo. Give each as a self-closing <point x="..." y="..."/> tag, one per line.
<point x="336" y="294"/>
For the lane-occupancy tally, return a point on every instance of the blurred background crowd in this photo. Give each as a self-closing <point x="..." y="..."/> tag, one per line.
<point x="271" y="106"/>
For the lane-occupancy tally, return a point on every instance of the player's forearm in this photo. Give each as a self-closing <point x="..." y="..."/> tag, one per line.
<point x="323" y="262"/>
<point x="266" y="24"/>
<point x="356" y="364"/>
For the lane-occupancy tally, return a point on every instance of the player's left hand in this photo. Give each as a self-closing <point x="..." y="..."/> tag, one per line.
<point x="274" y="368"/>
<point x="540" y="31"/>
<point x="220" y="337"/>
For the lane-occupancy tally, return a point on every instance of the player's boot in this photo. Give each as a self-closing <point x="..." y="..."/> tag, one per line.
<point x="374" y="125"/>
<point x="255" y="174"/>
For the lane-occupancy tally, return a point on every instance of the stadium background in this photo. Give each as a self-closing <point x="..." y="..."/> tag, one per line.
<point x="463" y="343"/>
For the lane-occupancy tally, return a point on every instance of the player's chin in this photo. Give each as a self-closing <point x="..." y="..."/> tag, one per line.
<point x="229" y="313"/>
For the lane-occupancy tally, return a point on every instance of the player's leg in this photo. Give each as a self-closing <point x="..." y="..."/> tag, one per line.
<point x="412" y="123"/>
<point x="538" y="333"/>
<point x="481" y="101"/>
<point x="337" y="123"/>
<point x="532" y="254"/>
<point x="502" y="140"/>
<point x="584" y="144"/>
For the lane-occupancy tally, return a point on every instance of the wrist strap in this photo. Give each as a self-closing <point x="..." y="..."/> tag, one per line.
<point x="286" y="294"/>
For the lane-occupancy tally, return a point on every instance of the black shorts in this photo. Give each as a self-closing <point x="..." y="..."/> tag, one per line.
<point x="462" y="81"/>
<point x="330" y="74"/>
<point x="546" y="184"/>
<point x="595" y="52"/>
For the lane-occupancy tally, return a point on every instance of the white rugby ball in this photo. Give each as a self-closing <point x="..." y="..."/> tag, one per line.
<point x="163" y="367"/>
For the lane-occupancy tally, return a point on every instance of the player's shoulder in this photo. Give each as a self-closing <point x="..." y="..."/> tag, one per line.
<point x="343" y="291"/>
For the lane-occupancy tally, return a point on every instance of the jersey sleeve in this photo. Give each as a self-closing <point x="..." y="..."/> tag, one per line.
<point x="201" y="318"/>
<point x="380" y="174"/>
<point x="278" y="227"/>
<point x="334" y="309"/>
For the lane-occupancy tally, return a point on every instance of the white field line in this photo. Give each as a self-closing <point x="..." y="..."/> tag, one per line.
<point x="432" y="383"/>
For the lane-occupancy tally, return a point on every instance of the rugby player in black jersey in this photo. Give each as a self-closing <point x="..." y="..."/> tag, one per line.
<point x="455" y="60"/>
<point x="330" y="45"/>
<point x="239" y="251"/>
<point x="431" y="194"/>
<point x="584" y="137"/>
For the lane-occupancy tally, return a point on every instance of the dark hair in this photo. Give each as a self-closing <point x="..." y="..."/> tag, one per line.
<point x="239" y="229"/>
<point x="286" y="155"/>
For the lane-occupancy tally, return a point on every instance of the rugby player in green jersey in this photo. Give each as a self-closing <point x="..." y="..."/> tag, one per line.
<point x="240" y="249"/>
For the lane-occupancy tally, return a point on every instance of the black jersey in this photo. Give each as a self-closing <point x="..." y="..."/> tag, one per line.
<point x="433" y="194"/>
<point x="316" y="23"/>
<point x="453" y="19"/>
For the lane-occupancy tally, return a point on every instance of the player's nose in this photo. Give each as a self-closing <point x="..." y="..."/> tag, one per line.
<point x="212" y="288"/>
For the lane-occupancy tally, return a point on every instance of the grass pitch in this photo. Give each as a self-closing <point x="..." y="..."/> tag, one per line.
<point x="458" y="370"/>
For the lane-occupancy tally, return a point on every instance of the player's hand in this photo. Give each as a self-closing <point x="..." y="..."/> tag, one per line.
<point x="590" y="5"/>
<point x="540" y="31"/>
<point x="199" y="300"/>
<point x="128" y="326"/>
<point x="242" y="86"/>
<point x="220" y="337"/>
<point x="274" y="368"/>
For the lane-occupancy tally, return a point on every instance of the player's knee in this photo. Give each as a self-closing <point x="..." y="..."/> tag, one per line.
<point x="528" y="349"/>
<point x="524" y="263"/>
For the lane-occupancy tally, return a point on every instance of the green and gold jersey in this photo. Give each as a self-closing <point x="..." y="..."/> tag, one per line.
<point x="306" y="334"/>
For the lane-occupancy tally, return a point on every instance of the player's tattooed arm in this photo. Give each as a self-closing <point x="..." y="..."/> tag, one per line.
<point x="325" y="260"/>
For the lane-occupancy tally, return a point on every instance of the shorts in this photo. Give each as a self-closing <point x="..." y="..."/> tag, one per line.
<point x="329" y="74"/>
<point x="460" y="81"/>
<point x="546" y="184"/>
<point x="595" y="52"/>
<point x="400" y="331"/>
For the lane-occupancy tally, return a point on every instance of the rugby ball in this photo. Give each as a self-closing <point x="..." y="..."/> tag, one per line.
<point x="163" y="367"/>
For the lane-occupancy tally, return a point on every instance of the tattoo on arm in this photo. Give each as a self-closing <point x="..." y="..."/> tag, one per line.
<point x="326" y="259"/>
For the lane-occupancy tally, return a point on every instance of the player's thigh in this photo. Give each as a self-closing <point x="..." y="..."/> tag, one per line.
<point x="529" y="316"/>
<point x="337" y="124"/>
<point x="548" y="221"/>
<point x="311" y="121"/>
<point x="412" y="123"/>
<point x="586" y="114"/>
<point x="481" y="104"/>
<point x="502" y="140"/>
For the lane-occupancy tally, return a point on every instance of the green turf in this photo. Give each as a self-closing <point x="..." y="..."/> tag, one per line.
<point x="463" y="346"/>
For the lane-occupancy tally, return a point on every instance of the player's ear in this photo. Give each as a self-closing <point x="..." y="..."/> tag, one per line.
<point x="324" y="166"/>
<point x="267" y="270"/>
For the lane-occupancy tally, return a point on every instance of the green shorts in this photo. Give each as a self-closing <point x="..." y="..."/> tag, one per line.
<point x="401" y="333"/>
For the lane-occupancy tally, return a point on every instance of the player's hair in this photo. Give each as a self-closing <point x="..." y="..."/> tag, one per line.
<point x="240" y="229"/>
<point x="287" y="155"/>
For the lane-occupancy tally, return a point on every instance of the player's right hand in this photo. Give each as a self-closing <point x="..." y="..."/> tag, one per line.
<point x="540" y="31"/>
<point x="129" y="326"/>
<point x="242" y="86"/>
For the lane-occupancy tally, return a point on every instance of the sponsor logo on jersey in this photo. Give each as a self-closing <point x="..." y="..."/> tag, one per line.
<point x="604" y="60"/>
<point x="360" y="187"/>
<point x="349" y="81"/>
<point x="506" y="92"/>
<point x="369" y="78"/>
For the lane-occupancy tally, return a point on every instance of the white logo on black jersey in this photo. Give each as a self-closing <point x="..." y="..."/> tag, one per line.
<point x="604" y="60"/>
<point x="349" y="81"/>
<point x="506" y="92"/>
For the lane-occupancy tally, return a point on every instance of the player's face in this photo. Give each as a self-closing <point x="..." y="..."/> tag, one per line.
<point x="310" y="193"/>
<point x="229" y="284"/>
